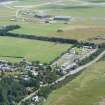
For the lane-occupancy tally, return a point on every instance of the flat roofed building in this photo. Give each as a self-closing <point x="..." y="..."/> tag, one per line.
<point x="63" y="18"/>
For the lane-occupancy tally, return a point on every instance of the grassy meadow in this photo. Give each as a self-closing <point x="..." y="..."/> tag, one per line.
<point x="88" y="22"/>
<point x="30" y="49"/>
<point x="88" y="18"/>
<point x="79" y="32"/>
<point x="86" y="89"/>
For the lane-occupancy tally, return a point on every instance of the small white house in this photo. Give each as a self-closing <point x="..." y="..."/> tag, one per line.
<point x="35" y="98"/>
<point x="35" y="73"/>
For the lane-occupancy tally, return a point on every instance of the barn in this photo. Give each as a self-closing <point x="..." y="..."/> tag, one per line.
<point x="62" y="18"/>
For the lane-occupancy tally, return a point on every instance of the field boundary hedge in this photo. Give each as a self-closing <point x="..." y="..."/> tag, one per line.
<point x="5" y="31"/>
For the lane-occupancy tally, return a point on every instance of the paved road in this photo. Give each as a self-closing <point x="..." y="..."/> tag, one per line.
<point x="28" y="97"/>
<point x="71" y="73"/>
<point x="81" y="67"/>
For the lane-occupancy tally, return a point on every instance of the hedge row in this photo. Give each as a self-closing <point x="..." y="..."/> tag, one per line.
<point x="7" y="28"/>
<point x="4" y="31"/>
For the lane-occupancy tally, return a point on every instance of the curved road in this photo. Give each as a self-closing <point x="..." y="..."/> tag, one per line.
<point x="71" y="73"/>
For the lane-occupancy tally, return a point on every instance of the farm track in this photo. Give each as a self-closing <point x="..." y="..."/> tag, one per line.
<point x="26" y="98"/>
<point x="69" y="74"/>
<point x="23" y="7"/>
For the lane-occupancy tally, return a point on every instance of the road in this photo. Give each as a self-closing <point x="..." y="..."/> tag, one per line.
<point x="23" y="7"/>
<point x="28" y="97"/>
<point x="81" y="67"/>
<point x="69" y="74"/>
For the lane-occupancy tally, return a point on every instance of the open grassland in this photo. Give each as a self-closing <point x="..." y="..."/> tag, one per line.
<point x="82" y="33"/>
<point x="87" y="89"/>
<point x="61" y="7"/>
<point x="99" y="1"/>
<point x="7" y="11"/>
<point x="30" y="49"/>
<point x="84" y="11"/>
<point x="88" y="18"/>
<point x="26" y="2"/>
<point x="38" y="28"/>
<point x="78" y="32"/>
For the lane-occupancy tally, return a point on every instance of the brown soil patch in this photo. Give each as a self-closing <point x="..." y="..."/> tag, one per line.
<point x="102" y="102"/>
<point x="82" y="33"/>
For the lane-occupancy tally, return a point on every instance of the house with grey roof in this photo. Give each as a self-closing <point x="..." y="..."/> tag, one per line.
<point x="62" y="18"/>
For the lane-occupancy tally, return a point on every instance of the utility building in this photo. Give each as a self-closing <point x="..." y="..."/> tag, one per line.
<point x="62" y="18"/>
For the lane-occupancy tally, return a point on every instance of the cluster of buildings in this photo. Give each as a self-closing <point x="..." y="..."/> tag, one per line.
<point x="41" y="16"/>
<point x="28" y="67"/>
<point x="48" y="19"/>
<point x="69" y="61"/>
<point x="5" y="67"/>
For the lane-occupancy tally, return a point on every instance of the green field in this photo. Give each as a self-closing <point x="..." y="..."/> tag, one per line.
<point x="30" y="49"/>
<point x="72" y="30"/>
<point x="69" y="31"/>
<point x="88" y="21"/>
<point x="86" y="89"/>
<point x="78" y="28"/>
<point x="38" y="29"/>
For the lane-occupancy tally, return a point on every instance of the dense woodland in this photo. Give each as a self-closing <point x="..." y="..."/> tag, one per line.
<point x="11" y="91"/>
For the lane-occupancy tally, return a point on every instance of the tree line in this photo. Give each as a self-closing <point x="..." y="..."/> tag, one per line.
<point x="6" y="28"/>
<point x="5" y="31"/>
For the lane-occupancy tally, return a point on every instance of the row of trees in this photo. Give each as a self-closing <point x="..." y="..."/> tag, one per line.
<point x="4" y="31"/>
<point x="11" y="91"/>
<point x="51" y="39"/>
<point x="42" y="38"/>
